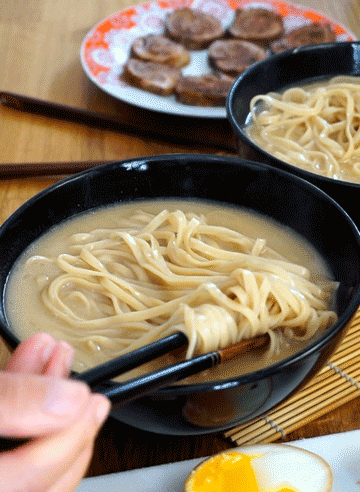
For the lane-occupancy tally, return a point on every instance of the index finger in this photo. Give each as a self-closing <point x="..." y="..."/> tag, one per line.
<point x="34" y="405"/>
<point x="42" y="354"/>
<point x="31" y="355"/>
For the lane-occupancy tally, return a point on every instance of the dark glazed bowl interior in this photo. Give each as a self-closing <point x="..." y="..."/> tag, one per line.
<point x="206" y="407"/>
<point x="290" y="68"/>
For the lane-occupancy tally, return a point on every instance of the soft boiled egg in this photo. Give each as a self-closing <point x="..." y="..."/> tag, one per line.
<point x="262" y="468"/>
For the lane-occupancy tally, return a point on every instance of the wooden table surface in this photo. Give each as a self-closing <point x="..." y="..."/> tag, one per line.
<point x="39" y="57"/>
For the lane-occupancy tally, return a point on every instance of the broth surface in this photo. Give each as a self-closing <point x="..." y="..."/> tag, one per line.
<point x="27" y="314"/>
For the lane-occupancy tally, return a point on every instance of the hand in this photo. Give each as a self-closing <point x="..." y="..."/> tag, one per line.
<point x="61" y="416"/>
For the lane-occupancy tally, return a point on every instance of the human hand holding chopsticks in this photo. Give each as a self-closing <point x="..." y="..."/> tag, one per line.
<point x="57" y="420"/>
<point x="61" y="417"/>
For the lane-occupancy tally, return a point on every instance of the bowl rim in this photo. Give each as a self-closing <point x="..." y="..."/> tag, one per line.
<point x="232" y="382"/>
<point x="236" y="87"/>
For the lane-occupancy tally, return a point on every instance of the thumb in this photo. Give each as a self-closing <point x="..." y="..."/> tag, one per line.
<point x="33" y="405"/>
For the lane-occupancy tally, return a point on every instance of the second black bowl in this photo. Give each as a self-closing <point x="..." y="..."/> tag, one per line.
<point x="292" y="68"/>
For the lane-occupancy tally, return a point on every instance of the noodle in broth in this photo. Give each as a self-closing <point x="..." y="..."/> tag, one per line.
<point x="115" y="289"/>
<point x="315" y="127"/>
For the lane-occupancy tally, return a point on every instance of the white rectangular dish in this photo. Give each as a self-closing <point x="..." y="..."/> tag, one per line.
<point x="341" y="451"/>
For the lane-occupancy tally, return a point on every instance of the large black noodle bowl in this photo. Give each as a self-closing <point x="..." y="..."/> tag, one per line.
<point x="219" y="405"/>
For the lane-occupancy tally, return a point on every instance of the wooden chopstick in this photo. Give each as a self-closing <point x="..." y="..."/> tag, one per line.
<point x="181" y="129"/>
<point x="69" y="113"/>
<point x="14" y="170"/>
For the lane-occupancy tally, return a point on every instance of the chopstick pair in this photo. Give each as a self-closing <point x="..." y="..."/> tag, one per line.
<point x="140" y="386"/>
<point x="183" y="130"/>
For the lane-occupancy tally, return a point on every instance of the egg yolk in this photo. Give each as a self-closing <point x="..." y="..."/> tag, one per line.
<point x="229" y="472"/>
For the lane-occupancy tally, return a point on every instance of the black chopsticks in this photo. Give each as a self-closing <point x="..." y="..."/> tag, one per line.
<point x="129" y="361"/>
<point x="140" y="386"/>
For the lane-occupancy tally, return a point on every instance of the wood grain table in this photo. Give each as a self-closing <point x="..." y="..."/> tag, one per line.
<point x="39" y="57"/>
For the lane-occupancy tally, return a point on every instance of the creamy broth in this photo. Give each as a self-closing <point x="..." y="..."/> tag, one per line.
<point x="35" y="270"/>
<point x="314" y="126"/>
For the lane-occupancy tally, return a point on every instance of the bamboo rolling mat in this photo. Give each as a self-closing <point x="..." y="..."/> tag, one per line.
<point x="336" y="384"/>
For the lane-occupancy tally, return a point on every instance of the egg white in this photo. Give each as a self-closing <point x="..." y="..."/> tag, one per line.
<point x="281" y="464"/>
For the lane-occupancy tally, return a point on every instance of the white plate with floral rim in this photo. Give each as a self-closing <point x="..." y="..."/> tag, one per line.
<point x="106" y="48"/>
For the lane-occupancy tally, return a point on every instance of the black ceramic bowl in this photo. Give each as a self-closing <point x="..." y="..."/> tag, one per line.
<point x="294" y="67"/>
<point x="208" y="407"/>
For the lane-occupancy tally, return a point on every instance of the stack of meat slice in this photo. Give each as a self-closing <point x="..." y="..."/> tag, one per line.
<point x="156" y="60"/>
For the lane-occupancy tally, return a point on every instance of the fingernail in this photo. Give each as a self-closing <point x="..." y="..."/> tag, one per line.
<point x="47" y="350"/>
<point x="69" y="353"/>
<point x="103" y="409"/>
<point x="45" y="346"/>
<point x="66" y="397"/>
